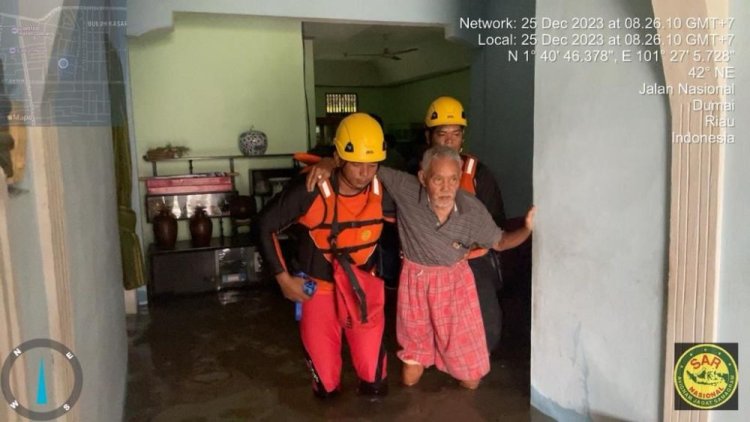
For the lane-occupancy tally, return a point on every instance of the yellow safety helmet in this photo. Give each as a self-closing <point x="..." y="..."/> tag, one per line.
<point x="445" y="111"/>
<point x="359" y="138"/>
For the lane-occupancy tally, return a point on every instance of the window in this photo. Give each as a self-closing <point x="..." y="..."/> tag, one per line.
<point x="341" y="103"/>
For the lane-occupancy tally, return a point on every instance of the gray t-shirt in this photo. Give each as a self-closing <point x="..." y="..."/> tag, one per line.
<point x="423" y="239"/>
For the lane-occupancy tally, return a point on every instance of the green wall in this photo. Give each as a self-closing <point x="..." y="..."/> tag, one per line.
<point x="409" y="101"/>
<point x="211" y="78"/>
<point x="402" y="104"/>
<point x="371" y="100"/>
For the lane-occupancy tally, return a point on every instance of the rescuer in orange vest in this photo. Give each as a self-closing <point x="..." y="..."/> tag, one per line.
<point x="341" y="223"/>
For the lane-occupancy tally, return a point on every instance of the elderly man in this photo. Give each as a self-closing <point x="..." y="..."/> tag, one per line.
<point x="445" y="124"/>
<point x="438" y="318"/>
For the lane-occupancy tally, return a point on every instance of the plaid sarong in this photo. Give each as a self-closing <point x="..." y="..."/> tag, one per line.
<point x="438" y="320"/>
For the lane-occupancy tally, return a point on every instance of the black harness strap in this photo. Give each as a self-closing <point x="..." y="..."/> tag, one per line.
<point x="342" y="258"/>
<point x="349" y="249"/>
<point x="351" y="224"/>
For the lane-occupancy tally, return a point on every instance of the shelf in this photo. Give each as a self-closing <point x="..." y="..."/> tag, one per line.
<point x="189" y="269"/>
<point x="155" y="195"/>
<point x="229" y="158"/>
<point x="182" y="246"/>
<point x="218" y="157"/>
<point x="224" y="173"/>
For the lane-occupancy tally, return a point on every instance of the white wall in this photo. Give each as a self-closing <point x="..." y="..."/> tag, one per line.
<point x="89" y="231"/>
<point x="95" y="269"/>
<point x="734" y="289"/>
<point x="600" y="269"/>
<point x="89" y="213"/>
<point x="26" y="255"/>
<point x="93" y="263"/>
<point x="147" y="15"/>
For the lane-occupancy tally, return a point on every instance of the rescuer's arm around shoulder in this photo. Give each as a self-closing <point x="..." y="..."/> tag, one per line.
<point x="282" y="211"/>
<point x="322" y="171"/>
<point x="394" y="180"/>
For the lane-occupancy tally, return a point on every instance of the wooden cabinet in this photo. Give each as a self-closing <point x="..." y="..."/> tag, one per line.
<point x="225" y="263"/>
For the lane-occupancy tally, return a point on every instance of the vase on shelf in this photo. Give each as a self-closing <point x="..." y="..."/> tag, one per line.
<point x="253" y="142"/>
<point x="165" y="229"/>
<point x="241" y="210"/>
<point x="241" y="207"/>
<point x="201" y="228"/>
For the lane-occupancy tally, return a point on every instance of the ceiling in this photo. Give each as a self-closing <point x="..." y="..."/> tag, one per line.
<point x="335" y="43"/>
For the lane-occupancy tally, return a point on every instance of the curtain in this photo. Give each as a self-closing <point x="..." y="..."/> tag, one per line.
<point x="6" y="140"/>
<point x="130" y="246"/>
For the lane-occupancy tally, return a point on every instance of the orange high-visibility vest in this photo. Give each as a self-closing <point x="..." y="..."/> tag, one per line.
<point x="358" y="234"/>
<point x="467" y="183"/>
<point x="468" y="173"/>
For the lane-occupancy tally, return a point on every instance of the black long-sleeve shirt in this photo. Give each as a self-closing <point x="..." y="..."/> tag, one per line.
<point x="282" y="213"/>
<point x="488" y="192"/>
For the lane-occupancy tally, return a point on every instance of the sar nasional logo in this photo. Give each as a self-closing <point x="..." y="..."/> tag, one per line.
<point x="705" y="376"/>
<point x="44" y="363"/>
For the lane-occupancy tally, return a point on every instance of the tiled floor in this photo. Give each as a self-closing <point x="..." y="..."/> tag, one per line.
<point x="236" y="356"/>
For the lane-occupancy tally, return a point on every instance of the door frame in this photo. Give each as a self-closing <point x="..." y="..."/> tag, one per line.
<point x="697" y="182"/>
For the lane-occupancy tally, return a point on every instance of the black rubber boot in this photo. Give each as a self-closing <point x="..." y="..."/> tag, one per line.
<point x="379" y="388"/>
<point x="326" y="395"/>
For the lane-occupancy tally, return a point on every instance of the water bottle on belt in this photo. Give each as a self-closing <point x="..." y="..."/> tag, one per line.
<point x="309" y="289"/>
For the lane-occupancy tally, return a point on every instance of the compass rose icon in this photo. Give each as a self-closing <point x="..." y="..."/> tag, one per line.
<point x="43" y="360"/>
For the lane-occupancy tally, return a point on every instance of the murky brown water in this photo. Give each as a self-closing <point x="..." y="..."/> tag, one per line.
<point x="236" y="356"/>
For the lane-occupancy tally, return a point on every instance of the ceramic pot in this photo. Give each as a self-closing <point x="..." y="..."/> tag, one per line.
<point x="241" y="207"/>
<point x="165" y="229"/>
<point x="201" y="228"/>
<point x="253" y="142"/>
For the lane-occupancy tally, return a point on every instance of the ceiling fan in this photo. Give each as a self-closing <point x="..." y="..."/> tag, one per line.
<point x="385" y="54"/>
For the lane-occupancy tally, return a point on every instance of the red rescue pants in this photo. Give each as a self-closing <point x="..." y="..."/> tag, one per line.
<point x="321" y="329"/>
<point x="438" y="320"/>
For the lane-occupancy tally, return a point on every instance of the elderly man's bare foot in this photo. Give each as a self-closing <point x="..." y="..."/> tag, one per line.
<point x="410" y="374"/>
<point x="470" y="384"/>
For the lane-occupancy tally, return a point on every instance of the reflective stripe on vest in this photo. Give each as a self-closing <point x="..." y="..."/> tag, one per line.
<point x="467" y="183"/>
<point x="468" y="173"/>
<point x="358" y="234"/>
